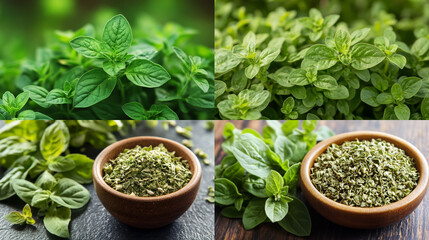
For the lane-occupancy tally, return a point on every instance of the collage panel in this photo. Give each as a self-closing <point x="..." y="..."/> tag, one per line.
<point x="321" y="179"/>
<point x="106" y="60"/>
<point x="327" y="60"/>
<point x="153" y="180"/>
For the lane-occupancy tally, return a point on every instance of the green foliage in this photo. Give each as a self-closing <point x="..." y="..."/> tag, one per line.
<point x="273" y="63"/>
<point x="42" y="172"/>
<point x="260" y="174"/>
<point x="83" y="76"/>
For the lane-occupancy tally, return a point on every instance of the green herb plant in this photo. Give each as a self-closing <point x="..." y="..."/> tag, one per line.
<point x="281" y="64"/>
<point x="257" y="179"/>
<point x="43" y="173"/>
<point x="115" y="76"/>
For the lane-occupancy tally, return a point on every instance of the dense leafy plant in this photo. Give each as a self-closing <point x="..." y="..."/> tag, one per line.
<point x="285" y="65"/>
<point x="43" y="173"/>
<point x="257" y="180"/>
<point x="85" y="77"/>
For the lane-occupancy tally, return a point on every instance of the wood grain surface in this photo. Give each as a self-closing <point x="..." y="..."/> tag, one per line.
<point x="415" y="226"/>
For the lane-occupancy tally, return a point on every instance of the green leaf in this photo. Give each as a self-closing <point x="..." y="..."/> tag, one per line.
<point x="320" y="57"/>
<point x="231" y="212"/>
<point x="225" y="61"/>
<point x="410" y="86"/>
<point x="21" y="100"/>
<point x="46" y="181"/>
<point x="15" y="218"/>
<point x="343" y="40"/>
<point x="298" y="77"/>
<point x="276" y="210"/>
<point x="397" y="92"/>
<point x="252" y="70"/>
<point x="402" y="112"/>
<point x="340" y="92"/>
<point x="24" y="189"/>
<point x="251" y="152"/>
<point x="326" y="82"/>
<point x="27" y="115"/>
<point x="288" y="105"/>
<point x="135" y="110"/>
<point x="378" y="82"/>
<point x="220" y="88"/>
<point x="284" y="147"/>
<point x="202" y="83"/>
<point x="118" y="35"/>
<point x="55" y="140"/>
<point x="57" y="96"/>
<point x="38" y="95"/>
<point x="369" y="95"/>
<point x="365" y="56"/>
<point x="70" y="194"/>
<point x="225" y="191"/>
<point x="359" y="35"/>
<point x="255" y="185"/>
<point x="145" y="73"/>
<point x="385" y="98"/>
<point x="57" y="221"/>
<point x="88" y="47"/>
<point x="183" y="57"/>
<point x="61" y="164"/>
<point x="82" y="173"/>
<point x="200" y="102"/>
<point x="254" y="214"/>
<point x="398" y="60"/>
<point x="274" y="183"/>
<point x="267" y="56"/>
<point x="297" y="220"/>
<point x="93" y="87"/>
<point x="162" y="112"/>
<point x="420" y="47"/>
<point x="112" y="67"/>
<point x="291" y="176"/>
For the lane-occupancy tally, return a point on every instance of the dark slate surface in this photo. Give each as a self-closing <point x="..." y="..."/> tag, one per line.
<point x="94" y="222"/>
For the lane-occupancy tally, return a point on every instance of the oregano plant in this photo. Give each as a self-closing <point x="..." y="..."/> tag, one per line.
<point x="86" y="76"/>
<point x="277" y="63"/>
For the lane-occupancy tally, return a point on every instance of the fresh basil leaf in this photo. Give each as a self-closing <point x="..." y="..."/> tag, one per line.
<point x="82" y="173"/>
<point x="365" y="56"/>
<point x="70" y="194"/>
<point x="135" y="110"/>
<point x="55" y="140"/>
<point x="226" y="192"/>
<point x="274" y="183"/>
<point x="254" y="214"/>
<point x="57" y="221"/>
<point x="276" y="210"/>
<point x="320" y="57"/>
<point x="57" y="96"/>
<point x="88" y="47"/>
<point x="24" y="189"/>
<point x="231" y="212"/>
<point x="61" y="164"/>
<point x="38" y="95"/>
<point x="145" y="73"/>
<point x="118" y="35"/>
<point x="93" y="87"/>
<point x="291" y="176"/>
<point x="297" y="220"/>
<point x="402" y="112"/>
<point x="255" y="185"/>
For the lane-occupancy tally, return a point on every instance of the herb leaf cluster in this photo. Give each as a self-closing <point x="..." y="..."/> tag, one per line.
<point x="258" y="178"/>
<point x="43" y="173"/>
<point x="285" y="64"/>
<point x="117" y="76"/>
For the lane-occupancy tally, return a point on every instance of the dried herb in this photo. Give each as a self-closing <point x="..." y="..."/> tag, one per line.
<point x="211" y="195"/>
<point x="186" y="131"/>
<point x="368" y="173"/>
<point x="147" y="172"/>
<point x="188" y="143"/>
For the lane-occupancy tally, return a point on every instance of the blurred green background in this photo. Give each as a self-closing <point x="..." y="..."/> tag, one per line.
<point x="28" y="24"/>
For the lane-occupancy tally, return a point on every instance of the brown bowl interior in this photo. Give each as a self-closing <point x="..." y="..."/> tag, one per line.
<point x="146" y="212"/>
<point x="358" y="217"/>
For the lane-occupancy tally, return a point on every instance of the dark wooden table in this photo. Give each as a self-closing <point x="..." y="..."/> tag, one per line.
<point x="93" y="222"/>
<point x="415" y="226"/>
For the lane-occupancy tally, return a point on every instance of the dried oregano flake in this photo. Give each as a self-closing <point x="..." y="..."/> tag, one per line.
<point x="147" y="172"/>
<point x="364" y="173"/>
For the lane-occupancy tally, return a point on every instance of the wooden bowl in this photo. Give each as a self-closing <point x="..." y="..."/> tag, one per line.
<point x="146" y="212"/>
<point x="358" y="217"/>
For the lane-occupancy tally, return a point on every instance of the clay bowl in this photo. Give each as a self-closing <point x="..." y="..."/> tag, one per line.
<point x="146" y="212"/>
<point x="357" y="217"/>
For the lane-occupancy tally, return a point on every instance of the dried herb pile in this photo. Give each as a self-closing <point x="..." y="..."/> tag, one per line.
<point x="365" y="173"/>
<point x="147" y="172"/>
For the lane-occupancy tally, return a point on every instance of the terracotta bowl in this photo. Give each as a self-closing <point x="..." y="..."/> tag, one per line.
<point x="358" y="217"/>
<point x="146" y="212"/>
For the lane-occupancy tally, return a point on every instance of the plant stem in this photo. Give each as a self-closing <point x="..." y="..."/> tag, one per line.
<point x="121" y="89"/>
<point x="386" y="67"/>
<point x="182" y="91"/>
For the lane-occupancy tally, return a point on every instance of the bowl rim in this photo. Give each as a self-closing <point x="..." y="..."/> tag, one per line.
<point x="320" y="148"/>
<point x="97" y="170"/>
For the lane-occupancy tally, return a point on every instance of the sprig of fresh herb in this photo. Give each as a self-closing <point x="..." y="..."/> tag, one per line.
<point x="26" y="217"/>
<point x="43" y="173"/>
<point x="257" y="179"/>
